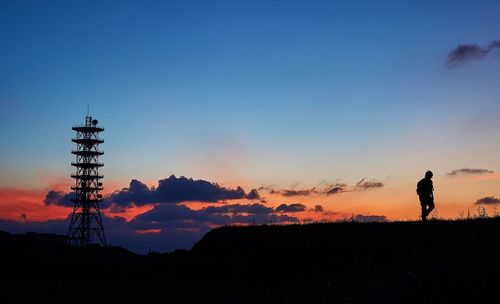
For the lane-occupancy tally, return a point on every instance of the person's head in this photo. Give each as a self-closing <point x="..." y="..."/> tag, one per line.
<point x="428" y="174"/>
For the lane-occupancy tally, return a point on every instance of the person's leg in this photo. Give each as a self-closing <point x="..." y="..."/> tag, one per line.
<point x="431" y="206"/>
<point x="424" y="212"/>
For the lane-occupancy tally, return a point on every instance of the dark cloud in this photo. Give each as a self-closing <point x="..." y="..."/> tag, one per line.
<point x="175" y="225"/>
<point x="289" y="192"/>
<point x="59" y="198"/>
<point x="114" y="208"/>
<point x="169" y="213"/>
<point x="137" y="193"/>
<point x="467" y="52"/>
<point x="175" y="190"/>
<point x="494" y="45"/>
<point x="292" y="192"/>
<point x="368" y="218"/>
<point x="171" y="224"/>
<point x="336" y="189"/>
<point x="326" y="189"/>
<point x="323" y="189"/>
<point x="253" y="194"/>
<point x="167" y="216"/>
<point x="255" y="208"/>
<point x="489" y="200"/>
<point x="264" y="219"/>
<point x="331" y="213"/>
<point x="318" y="208"/>
<point x="364" y="184"/>
<point x="118" y="232"/>
<point x="169" y="190"/>
<point x="465" y="171"/>
<point x="291" y="208"/>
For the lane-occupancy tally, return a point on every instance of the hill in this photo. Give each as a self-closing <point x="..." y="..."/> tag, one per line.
<point x="439" y="261"/>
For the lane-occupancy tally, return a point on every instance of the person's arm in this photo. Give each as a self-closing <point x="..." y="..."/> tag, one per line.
<point x="432" y="190"/>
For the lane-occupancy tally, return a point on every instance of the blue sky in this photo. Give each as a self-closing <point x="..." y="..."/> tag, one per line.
<point x="248" y="92"/>
<point x="169" y="78"/>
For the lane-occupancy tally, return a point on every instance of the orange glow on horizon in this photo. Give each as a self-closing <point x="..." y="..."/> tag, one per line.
<point x="15" y="202"/>
<point x="397" y="200"/>
<point x="148" y="231"/>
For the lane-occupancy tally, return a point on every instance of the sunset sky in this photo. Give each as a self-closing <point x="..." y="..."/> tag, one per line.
<point x="327" y="109"/>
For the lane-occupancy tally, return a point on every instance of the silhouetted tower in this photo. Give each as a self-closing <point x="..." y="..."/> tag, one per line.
<point x="86" y="226"/>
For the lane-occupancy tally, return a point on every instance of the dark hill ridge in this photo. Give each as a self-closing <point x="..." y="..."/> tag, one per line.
<point x="393" y="262"/>
<point x="339" y="236"/>
<point x="401" y="262"/>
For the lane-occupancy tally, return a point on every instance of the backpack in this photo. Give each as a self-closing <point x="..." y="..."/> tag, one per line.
<point x="419" y="187"/>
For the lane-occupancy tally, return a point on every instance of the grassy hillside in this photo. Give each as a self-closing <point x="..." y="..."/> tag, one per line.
<point x="435" y="262"/>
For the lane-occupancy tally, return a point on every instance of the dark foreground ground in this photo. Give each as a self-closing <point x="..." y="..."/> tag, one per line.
<point x="436" y="262"/>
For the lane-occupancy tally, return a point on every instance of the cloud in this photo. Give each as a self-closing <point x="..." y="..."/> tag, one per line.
<point x="467" y="52"/>
<point x="465" y="171"/>
<point x="114" y="208"/>
<point x="318" y="208"/>
<point x="168" y="223"/>
<point x="253" y="194"/>
<point x="175" y="190"/>
<point x="489" y="200"/>
<point x="175" y="225"/>
<point x="137" y="193"/>
<point x="291" y="208"/>
<point x="59" y="198"/>
<point x="494" y="45"/>
<point x="118" y="232"/>
<point x="364" y="184"/>
<point x="264" y="219"/>
<point x="289" y="192"/>
<point x="255" y="208"/>
<point x="336" y="189"/>
<point x="292" y="192"/>
<point x="170" y="213"/>
<point x="324" y="189"/>
<point x="328" y="190"/>
<point x="167" y="216"/>
<point x="169" y="190"/>
<point x="369" y="218"/>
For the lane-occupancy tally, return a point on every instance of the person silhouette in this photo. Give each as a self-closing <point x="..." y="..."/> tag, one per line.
<point x="425" y="195"/>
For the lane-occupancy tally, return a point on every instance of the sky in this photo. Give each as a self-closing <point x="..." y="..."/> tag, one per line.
<point x="333" y="108"/>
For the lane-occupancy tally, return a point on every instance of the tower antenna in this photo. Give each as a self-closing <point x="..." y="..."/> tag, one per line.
<point x="86" y="226"/>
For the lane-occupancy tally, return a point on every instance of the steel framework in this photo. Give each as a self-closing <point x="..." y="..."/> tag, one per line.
<point x="86" y="226"/>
